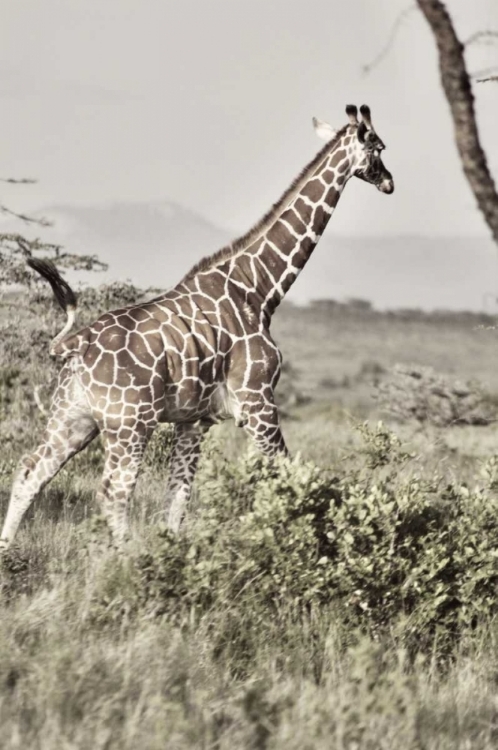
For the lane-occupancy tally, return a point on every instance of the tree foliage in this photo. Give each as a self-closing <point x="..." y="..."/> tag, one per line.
<point x="15" y="248"/>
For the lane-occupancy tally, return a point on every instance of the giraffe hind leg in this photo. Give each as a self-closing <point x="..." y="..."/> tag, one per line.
<point x="124" y="450"/>
<point x="183" y="466"/>
<point x="67" y="433"/>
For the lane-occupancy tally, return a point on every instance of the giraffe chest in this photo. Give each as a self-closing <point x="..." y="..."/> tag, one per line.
<point x="196" y="386"/>
<point x="185" y="403"/>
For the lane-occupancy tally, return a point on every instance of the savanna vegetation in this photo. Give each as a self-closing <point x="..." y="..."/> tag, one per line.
<point x="346" y="598"/>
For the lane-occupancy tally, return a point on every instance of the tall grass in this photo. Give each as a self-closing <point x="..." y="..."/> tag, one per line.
<point x="100" y="650"/>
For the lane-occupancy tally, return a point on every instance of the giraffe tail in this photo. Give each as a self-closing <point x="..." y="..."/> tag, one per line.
<point x="62" y="293"/>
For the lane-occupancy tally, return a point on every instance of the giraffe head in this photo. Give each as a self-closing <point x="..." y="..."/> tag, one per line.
<point x="363" y="147"/>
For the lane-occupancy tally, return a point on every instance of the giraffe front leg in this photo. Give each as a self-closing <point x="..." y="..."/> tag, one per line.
<point x="183" y="465"/>
<point x="65" y="436"/>
<point x="262" y="424"/>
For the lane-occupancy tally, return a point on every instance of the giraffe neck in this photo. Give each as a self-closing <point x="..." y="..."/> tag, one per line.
<point x="272" y="263"/>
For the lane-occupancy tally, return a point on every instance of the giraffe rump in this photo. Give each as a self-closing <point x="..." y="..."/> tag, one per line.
<point x="270" y="217"/>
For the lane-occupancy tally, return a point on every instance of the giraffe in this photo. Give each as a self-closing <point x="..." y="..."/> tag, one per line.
<point x="198" y="354"/>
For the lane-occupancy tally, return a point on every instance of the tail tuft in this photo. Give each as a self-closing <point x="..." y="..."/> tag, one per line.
<point x="61" y="289"/>
<point x="62" y="293"/>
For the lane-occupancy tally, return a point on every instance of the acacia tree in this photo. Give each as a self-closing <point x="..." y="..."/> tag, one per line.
<point x="15" y="248"/>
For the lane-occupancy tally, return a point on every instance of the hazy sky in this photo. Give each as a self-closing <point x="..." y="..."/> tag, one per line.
<point x="209" y="102"/>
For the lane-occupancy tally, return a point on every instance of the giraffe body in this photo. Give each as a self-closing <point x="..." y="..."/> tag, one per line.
<point x="196" y="355"/>
<point x="179" y="358"/>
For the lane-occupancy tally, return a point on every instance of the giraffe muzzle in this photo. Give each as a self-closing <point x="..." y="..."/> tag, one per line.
<point x="386" y="186"/>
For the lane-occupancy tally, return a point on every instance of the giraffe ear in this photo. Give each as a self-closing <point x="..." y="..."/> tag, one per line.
<point x="323" y="130"/>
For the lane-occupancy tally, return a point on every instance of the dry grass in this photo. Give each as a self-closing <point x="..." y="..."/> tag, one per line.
<point x="334" y="343"/>
<point x="74" y="677"/>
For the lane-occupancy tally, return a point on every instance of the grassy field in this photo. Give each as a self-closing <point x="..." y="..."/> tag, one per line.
<point x="346" y="599"/>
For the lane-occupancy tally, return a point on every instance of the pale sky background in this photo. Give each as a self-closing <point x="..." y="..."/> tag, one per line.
<point x="208" y="103"/>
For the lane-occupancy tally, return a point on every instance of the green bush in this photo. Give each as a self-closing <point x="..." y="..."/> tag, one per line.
<point x="385" y="552"/>
<point x="98" y="300"/>
<point x="9" y="380"/>
<point x="413" y="392"/>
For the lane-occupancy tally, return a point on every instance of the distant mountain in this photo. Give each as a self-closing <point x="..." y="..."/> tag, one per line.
<point x="154" y="244"/>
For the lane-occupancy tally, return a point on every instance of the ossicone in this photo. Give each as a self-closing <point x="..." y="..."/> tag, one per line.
<point x="352" y="113"/>
<point x="366" y="115"/>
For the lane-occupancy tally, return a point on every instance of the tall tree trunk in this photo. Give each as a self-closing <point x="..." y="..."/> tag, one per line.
<point x="456" y="85"/>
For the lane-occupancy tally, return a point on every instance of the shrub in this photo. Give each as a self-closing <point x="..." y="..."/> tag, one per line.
<point x="383" y="551"/>
<point x="416" y="392"/>
<point x="288" y="393"/>
<point x="105" y="297"/>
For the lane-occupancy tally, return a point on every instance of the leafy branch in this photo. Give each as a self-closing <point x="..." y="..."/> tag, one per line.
<point x="15" y="248"/>
<point x="398" y="22"/>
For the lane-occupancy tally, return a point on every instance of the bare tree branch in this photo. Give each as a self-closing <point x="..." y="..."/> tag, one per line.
<point x="485" y="72"/>
<point x="485" y="37"/>
<point x="485" y="80"/>
<point x="24" y="217"/>
<point x="23" y="181"/>
<point x="456" y="85"/>
<point x="400" y="18"/>
<point x="482" y="37"/>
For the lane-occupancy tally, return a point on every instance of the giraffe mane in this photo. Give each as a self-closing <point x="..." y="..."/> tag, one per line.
<point x="270" y="217"/>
